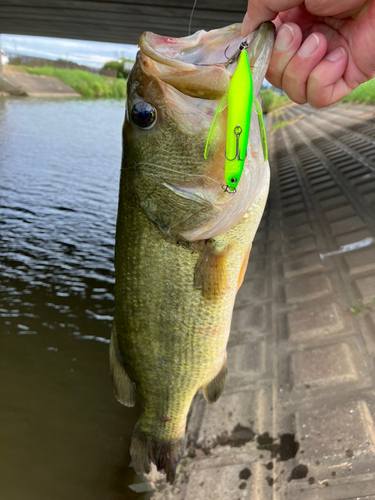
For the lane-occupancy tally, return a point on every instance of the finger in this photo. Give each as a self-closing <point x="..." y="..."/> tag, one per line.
<point x="249" y="24"/>
<point x="259" y="11"/>
<point x="287" y="42"/>
<point x="330" y="8"/>
<point x="297" y="71"/>
<point x="326" y="84"/>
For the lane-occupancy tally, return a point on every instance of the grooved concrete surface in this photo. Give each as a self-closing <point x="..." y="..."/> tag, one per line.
<point x="296" y="420"/>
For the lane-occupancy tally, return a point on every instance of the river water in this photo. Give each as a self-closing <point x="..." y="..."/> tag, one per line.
<point x="62" y="433"/>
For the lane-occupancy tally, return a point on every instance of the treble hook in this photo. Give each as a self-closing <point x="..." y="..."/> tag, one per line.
<point x="236" y="55"/>
<point x="237" y="131"/>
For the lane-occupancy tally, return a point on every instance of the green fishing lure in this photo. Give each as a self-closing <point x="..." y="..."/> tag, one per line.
<point x="240" y="102"/>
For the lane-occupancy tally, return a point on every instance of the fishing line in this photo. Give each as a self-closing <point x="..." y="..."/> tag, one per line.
<point x="191" y="16"/>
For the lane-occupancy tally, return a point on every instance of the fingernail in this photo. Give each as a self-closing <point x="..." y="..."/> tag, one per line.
<point x="246" y="25"/>
<point x="310" y="44"/>
<point x="336" y="54"/>
<point x="284" y="38"/>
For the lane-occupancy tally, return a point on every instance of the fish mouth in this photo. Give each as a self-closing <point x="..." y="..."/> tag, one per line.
<point x="201" y="65"/>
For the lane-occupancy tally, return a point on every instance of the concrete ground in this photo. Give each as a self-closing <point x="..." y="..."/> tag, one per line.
<point x="296" y="420"/>
<point x="21" y="83"/>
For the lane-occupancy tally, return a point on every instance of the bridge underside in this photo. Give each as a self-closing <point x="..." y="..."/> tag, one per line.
<point x="118" y="21"/>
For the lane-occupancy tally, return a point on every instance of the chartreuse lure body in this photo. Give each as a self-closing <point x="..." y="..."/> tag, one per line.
<point x="240" y="102"/>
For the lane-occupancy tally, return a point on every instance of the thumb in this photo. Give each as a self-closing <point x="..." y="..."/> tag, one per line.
<point x="259" y="11"/>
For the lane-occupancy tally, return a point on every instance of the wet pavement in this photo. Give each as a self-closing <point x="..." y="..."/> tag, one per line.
<point x="296" y="420"/>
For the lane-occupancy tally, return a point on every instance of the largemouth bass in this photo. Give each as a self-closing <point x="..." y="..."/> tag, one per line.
<point x="182" y="241"/>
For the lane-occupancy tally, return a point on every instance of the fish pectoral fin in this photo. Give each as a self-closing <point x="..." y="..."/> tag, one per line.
<point x="122" y="384"/>
<point x="262" y="128"/>
<point x="213" y="390"/>
<point x="221" y="106"/>
<point x="211" y="273"/>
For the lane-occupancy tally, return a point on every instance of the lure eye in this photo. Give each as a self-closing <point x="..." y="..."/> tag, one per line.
<point x="144" y="115"/>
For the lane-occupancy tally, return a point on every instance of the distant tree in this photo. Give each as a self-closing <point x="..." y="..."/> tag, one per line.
<point x="16" y="60"/>
<point x="117" y="66"/>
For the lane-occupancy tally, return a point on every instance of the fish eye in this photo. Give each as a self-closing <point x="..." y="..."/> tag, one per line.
<point x="144" y="115"/>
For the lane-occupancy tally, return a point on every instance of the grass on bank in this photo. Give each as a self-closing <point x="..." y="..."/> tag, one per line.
<point x="272" y="101"/>
<point x="83" y="82"/>
<point x="364" y="93"/>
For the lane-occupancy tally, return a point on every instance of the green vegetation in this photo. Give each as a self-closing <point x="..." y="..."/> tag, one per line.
<point x="364" y="93"/>
<point x="355" y="310"/>
<point x="83" y="82"/>
<point x="272" y="101"/>
<point x="280" y="124"/>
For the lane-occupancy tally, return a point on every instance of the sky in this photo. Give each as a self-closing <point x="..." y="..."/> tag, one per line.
<point x="88" y="53"/>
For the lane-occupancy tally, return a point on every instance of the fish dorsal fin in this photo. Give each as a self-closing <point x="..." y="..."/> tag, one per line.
<point x="220" y="107"/>
<point x="122" y="384"/>
<point x="259" y="112"/>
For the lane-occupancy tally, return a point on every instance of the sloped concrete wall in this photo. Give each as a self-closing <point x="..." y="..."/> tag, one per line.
<point x="7" y="87"/>
<point x="21" y="83"/>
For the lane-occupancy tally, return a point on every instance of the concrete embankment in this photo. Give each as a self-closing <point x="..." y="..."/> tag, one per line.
<point x="15" y="82"/>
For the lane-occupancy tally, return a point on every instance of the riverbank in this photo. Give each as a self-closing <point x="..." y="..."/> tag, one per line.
<point x="84" y="83"/>
<point x="20" y="83"/>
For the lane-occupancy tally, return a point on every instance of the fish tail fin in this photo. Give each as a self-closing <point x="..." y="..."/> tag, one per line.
<point x="165" y="455"/>
<point x="213" y="390"/>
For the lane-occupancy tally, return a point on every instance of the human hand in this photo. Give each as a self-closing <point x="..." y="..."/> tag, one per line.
<point x="323" y="49"/>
